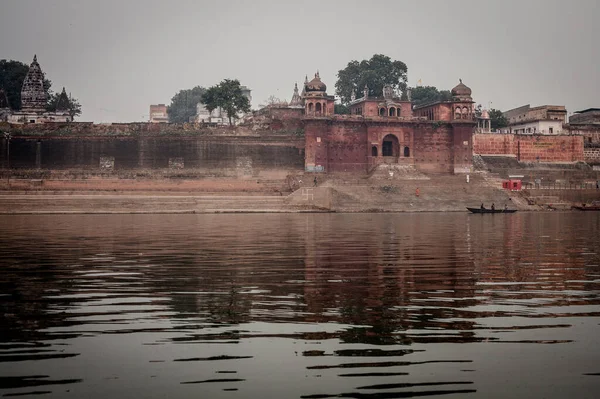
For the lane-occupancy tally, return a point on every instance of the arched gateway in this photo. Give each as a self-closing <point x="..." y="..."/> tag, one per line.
<point x="390" y="148"/>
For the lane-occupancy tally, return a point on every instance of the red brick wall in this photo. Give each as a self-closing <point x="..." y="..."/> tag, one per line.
<point x="433" y="148"/>
<point x="494" y="144"/>
<point x="530" y="148"/>
<point x="406" y="111"/>
<point x="462" y="147"/>
<point x="347" y="147"/>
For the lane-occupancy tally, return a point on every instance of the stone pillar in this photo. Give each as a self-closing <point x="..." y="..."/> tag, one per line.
<point x="38" y="155"/>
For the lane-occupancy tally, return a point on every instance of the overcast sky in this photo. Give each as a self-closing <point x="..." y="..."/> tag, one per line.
<point x="119" y="56"/>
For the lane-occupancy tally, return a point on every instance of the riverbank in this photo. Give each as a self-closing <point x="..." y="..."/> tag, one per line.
<point x="394" y="190"/>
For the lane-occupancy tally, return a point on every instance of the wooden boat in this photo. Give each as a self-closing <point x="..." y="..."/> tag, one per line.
<point x="587" y="207"/>
<point x="485" y="210"/>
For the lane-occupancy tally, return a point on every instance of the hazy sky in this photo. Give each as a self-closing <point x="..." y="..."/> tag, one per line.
<point x="119" y="56"/>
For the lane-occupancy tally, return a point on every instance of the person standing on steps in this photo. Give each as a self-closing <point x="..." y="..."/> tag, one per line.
<point x="417" y="192"/>
<point x="315" y="181"/>
<point x="493" y="207"/>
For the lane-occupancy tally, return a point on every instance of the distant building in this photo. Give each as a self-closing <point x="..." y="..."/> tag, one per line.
<point x="158" y="113"/>
<point x="586" y="123"/>
<point x="545" y="119"/>
<point x="216" y="117"/>
<point x="484" y="123"/>
<point x="34" y="99"/>
<point x="585" y="117"/>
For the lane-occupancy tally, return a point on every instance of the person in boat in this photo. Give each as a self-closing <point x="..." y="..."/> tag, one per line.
<point x="493" y="207"/>
<point x="482" y="207"/>
<point x="505" y="207"/>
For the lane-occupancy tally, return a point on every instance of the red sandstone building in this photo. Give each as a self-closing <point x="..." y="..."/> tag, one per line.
<point x="385" y="130"/>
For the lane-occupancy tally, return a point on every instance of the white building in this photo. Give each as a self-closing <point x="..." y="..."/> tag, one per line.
<point x="545" y="119"/>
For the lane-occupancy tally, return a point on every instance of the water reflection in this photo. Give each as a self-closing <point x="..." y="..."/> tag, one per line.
<point x="381" y="306"/>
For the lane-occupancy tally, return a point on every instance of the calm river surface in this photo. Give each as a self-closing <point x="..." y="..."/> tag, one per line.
<point x="300" y="306"/>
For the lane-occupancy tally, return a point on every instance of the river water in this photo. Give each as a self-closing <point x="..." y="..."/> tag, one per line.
<point x="300" y="306"/>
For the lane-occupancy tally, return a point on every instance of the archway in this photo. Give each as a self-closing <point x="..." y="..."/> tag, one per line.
<point x="457" y="113"/>
<point x="374" y="151"/>
<point x="318" y="108"/>
<point x="310" y="108"/>
<point x="392" y="111"/>
<point x="406" y="152"/>
<point x="382" y="112"/>
<point x="390" y="146"/>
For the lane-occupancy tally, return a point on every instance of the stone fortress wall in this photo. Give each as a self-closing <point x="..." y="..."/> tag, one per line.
<point x="224" y="152"/>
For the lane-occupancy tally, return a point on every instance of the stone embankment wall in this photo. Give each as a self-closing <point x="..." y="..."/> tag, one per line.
<point x="233" y="152"/>
<point x="531" y="148"/>
<point x="592" y="155"/>
<point x="550" y="196"/>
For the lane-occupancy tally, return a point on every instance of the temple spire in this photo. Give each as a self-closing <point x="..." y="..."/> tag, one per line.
<point x="62" y="104"/>
<point x="33" y="95"/>
<point x="296" y="99"/>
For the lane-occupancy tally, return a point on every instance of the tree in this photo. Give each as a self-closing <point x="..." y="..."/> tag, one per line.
<point x="497" y="119"/>
<point x="273" y="101"/>
<point x="375" y="73"/>
<point x="229" y="96"/>
<point x="422" y="95"/>
<point x="341" y="109"/>
<point x="73" y="106"/>
<point x="12" y="75"/>
<point x="183" y="104"/>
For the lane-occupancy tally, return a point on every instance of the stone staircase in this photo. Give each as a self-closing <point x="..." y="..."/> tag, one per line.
<point x="76" y="203"/>
<point x="396" y="172"/>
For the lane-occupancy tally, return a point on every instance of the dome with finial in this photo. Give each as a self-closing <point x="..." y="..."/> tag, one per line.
<point x="461" y="91"/>
<point x="315" y="84"/>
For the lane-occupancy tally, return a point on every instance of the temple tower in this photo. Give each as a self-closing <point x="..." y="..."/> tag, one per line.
<point x="296" y="99"/>
<point x="33" y="95"/>
<point x="63" y="102"/>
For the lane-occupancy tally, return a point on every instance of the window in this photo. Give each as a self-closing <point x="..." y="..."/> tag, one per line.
<point x="551" y="130"/>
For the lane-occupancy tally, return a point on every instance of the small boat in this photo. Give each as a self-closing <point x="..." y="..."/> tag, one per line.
<point x="594" y="206"/>
<point x="485" y="210"/>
